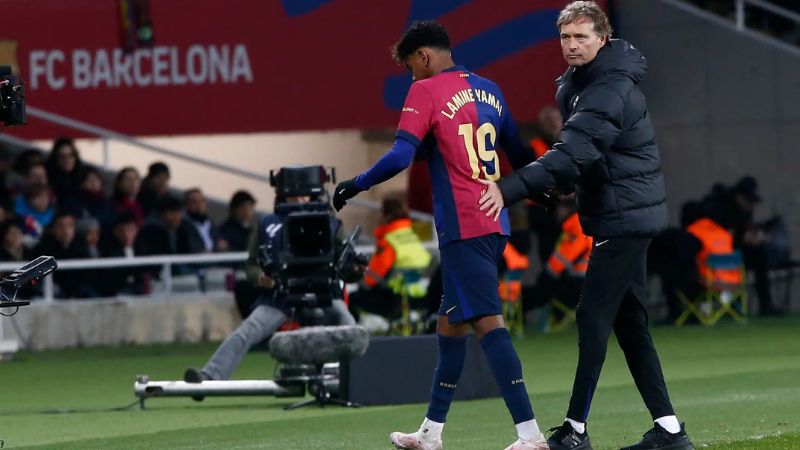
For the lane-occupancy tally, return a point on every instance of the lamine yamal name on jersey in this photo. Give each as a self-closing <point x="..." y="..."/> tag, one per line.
<point x="466" y="96"/>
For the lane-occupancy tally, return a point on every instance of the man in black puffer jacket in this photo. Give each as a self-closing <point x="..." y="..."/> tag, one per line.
<point x="607" y="153"/>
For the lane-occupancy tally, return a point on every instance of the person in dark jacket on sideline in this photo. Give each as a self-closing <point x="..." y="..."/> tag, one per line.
<point x="607" y="152"/>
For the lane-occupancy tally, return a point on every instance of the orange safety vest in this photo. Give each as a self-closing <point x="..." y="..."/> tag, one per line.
<point x="539" y="146"/>
<point x="572" y="250"/>
<point x="716" y="240"/>
<point x="510" y="289"/>
<point x="397" y="247"/>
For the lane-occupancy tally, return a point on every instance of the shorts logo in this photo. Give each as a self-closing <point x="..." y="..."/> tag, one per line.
<point x="448" y="311"/>
<point x="519" y="381"/>
<point x="447" y="385"/>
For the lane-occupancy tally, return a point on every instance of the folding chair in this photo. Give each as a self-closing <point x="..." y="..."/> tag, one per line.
<point x="719" y="296"/>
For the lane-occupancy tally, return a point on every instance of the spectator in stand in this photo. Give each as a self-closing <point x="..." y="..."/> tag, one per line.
<point x="62" y="242"/>
<point x="34" y="212"/>
<point x="122" y="243"/>
<point x="63" y="172"/>
<point x="197" y="217"/>
<point x="126" y="188"/>
<point x="154" y="186"/>
<point x="36" y="175"/>
<point x="16" y="179"/>
<point x="92" y="200"/>
<point x="236" y="231"/>
<point x="12" y="247"/>
<point x="88" y="229"/>
<point x="167" y="233"/>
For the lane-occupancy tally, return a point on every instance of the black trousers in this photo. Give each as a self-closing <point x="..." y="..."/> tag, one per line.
<point x="613" y="299"/>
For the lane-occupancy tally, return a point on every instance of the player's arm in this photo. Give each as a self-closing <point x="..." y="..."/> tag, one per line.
<point x="415" y="122"/>
<point x="595" y="125"/>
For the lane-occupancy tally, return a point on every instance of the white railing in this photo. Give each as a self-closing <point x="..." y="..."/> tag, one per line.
<point x="106" y="135"/>
<point x="766" y="6"/>
<point x="164" y="261"/>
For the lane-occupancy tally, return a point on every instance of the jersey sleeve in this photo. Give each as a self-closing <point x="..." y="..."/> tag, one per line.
<point x="416" y="117"/>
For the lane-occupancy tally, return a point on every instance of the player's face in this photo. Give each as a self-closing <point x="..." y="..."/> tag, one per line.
<point x="418" y="63"/>
<point x="580" y="43"/>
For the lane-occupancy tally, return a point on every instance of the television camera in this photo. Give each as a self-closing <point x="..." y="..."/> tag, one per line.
<point x="12" y="98"/>
<point x="29" y="273"/>
<point x="309" y="267"/>
<point x="304" y="261"/>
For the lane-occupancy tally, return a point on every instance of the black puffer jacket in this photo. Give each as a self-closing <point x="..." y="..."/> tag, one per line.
<point x="606" y="150"/>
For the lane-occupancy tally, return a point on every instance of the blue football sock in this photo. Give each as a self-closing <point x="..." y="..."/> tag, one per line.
<point x="507" y="371"/>
<point x="452" y="351"/>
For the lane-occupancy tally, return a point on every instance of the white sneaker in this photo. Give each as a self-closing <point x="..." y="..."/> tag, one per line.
<point x="413" y="442"/>
<point x="538" y="444"/>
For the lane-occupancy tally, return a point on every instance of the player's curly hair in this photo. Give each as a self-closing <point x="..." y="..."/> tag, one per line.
<point x="421" y="33"/>
<point x="588" y="9"/>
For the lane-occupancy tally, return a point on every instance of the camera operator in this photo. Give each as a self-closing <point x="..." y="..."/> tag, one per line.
<point x="270" y="311"/>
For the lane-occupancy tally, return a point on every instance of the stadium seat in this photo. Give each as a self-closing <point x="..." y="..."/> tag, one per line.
<point x="718" y="298"/>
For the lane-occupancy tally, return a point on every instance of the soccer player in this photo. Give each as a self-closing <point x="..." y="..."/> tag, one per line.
<point x="459" y="119"/>
<point x="607" y="151"/>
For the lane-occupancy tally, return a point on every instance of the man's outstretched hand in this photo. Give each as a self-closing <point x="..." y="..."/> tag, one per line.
<point x="344" y="191"/>
<point x="492" y="200"/>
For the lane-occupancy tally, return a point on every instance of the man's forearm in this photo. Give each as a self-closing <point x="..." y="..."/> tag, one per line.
<point x="531" y="181"/>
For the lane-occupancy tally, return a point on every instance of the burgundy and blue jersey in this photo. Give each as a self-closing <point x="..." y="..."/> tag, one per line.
<point x="459" y="120"/>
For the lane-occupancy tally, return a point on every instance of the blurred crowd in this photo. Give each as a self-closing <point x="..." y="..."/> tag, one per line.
<point x="759" y="19"/>
<point x="58" y="205"/>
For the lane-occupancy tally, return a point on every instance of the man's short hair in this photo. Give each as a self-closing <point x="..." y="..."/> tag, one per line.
<point x="589" y="10"/>
<point x="169" y="203"/>
<point x="393" y="209"/>
<point x="421" y="33"/>
<point x="240" y="198"/>
<point x="157" y="168"/>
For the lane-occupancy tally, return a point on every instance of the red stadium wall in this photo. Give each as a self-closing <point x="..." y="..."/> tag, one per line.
<point x="258" y="65"/>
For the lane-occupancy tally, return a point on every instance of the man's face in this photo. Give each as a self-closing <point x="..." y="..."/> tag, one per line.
<point x="161" y="183"/>
<point x="41" y="201"/>
<point x="196" y="203"/>
<point x="551" y="122"/>
<point x="580" y="43"/>
<point x="64" y="230"/>
<point x="92" y="183"/>
<point x="244" y="213"/>
<point x="298" y="199"/>
<point x="418" y="63"/>
<point x="126" y="233"/>
<point x="37" y="175"/>
<point x="172" y="219"/>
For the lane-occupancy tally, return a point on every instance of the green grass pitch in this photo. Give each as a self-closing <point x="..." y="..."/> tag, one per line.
<point x="737" y="387"/>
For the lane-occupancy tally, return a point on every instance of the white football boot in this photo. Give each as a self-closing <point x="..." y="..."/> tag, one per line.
<point x="413" y="441"/>
<point x="539" y="444"/>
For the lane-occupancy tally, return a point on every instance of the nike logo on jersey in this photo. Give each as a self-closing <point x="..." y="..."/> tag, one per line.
<point x="448" y="311"/>
<point x="601" y="243"/>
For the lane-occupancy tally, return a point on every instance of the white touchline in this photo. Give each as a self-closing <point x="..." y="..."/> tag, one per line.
<point x="601" y="243"/>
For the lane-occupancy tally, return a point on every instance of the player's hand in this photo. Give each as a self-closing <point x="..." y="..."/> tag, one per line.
<point x="344" y="191"/>
<point x="265" y="281"/>
<point x="492" y="199"/>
